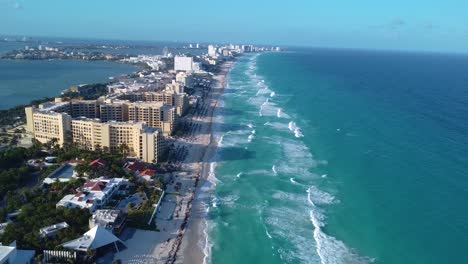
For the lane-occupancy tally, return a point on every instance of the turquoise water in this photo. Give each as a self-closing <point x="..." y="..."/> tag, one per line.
<point x="330" y="156"/>
<point x="23" y="81"/>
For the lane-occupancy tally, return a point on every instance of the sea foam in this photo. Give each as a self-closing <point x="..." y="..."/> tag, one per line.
<point x="295" y="129"/>
<point x="329" y="249"/>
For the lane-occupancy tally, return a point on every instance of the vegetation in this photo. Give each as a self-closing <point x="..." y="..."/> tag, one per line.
<point x="38" y="211"/>
<point x="87" y="92"/>
<point x="13" y="171"/>
<point x="16" y="114"/>
<point x="139" y="217"/>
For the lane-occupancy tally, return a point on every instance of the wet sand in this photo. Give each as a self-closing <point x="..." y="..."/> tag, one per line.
<point x="180" y="220"/>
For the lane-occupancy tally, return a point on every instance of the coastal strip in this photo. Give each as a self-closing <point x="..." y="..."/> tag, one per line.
<point x="192" y="249"/>
<point x="180" y="217"/>
<point x="150" y="136"/>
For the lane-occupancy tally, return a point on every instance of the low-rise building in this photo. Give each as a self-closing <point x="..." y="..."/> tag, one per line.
<point x="50" y="231"/>
<point x="95" y="238"/>
<point x="112" y="220"/>
<point x="11" y="255"/>
<point x="94" y="194"/>
<point x="146" y="175"/>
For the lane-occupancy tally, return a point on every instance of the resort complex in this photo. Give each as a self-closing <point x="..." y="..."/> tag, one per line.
<point x="115" y="158"/>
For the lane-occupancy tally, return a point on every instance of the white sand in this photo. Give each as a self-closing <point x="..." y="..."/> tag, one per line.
<point x="179" y="238"/>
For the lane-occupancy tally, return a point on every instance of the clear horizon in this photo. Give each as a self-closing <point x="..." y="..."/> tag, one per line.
<point x="363" y="24"/>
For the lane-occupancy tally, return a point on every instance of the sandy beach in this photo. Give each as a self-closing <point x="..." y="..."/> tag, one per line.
<point x="180" y="217"/>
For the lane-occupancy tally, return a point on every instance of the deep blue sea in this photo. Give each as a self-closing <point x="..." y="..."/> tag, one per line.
<point x="342" y="156"/>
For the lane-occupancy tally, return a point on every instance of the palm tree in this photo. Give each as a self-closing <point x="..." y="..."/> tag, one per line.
<point x="124" y="150"/>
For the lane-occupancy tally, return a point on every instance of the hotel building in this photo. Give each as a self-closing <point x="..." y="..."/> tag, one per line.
<point x="178" y="100"/>
<point x="107" y="124"/>
<point x="143" y="142"/>
<point x="48" y="125"/>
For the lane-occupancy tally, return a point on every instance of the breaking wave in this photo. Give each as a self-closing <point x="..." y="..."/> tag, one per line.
<point x="329" y="249"/>
<point x="295" y="129"/>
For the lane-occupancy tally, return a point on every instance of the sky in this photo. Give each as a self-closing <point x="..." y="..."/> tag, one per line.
<point x="426" y="25"/>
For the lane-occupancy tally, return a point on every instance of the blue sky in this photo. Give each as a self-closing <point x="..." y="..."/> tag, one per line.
<point x="440" y="25"/>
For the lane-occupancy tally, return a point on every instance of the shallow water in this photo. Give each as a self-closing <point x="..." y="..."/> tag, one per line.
<point x="330" y="156"/>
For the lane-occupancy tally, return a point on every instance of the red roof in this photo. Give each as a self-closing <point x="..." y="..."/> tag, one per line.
<point x="89" y="184"/>
<point x="95" y="185"/>
<point x="136" y="166"/>
<point x="147" y="172"/>
<point x="98" y="186"/>
<point x="97" y="163"/>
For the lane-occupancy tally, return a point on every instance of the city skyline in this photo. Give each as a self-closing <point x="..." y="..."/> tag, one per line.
<point x="363" y="24"/>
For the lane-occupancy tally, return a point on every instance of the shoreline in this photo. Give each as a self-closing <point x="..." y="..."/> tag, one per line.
<point x="196" y="226"/>
<point x="180" y="216"/>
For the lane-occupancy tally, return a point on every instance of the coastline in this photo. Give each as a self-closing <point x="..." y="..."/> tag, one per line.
<point x="195" y="241"/>
<point x="181" y="212"/>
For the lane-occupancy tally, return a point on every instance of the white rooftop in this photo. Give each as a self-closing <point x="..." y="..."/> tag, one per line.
<point x="93" y="239"/>
<point x="93" y="191"/>
<point x="50" y="230"/>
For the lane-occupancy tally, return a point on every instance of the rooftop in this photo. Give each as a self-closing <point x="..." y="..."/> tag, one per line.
<point x="95" y="190"/>
<point x="51" y="106"/>
<point x="51" y="230"/>
<point x="147" y="172"/>
<point x="93" y="239"/>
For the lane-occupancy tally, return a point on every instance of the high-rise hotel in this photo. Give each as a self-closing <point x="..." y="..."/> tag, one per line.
<point x="140" y="122"/>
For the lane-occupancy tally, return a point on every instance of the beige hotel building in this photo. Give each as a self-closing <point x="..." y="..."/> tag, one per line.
<point x="109" y="124"/>
<point x="142" y="141"/>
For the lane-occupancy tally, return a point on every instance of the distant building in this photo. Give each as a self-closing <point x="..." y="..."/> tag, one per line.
<point x="183" y="63"/>
<point x="165" y="52"/>
<point x="212" y="51"/>
<point x="185" y="79"/>
<point x="170" y="96"/>
<point x="226" y="52"/>
<point x="176" y="87"/>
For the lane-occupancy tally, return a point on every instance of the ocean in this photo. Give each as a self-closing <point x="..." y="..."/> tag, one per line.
<point x="341" y="156"/>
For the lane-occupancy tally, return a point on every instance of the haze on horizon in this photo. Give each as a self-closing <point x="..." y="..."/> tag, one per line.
<point x="402" y="25"/>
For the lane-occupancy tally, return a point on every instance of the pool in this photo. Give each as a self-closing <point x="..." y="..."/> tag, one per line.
<point x="66" y="172"/>
<point x="62" y="174"/>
